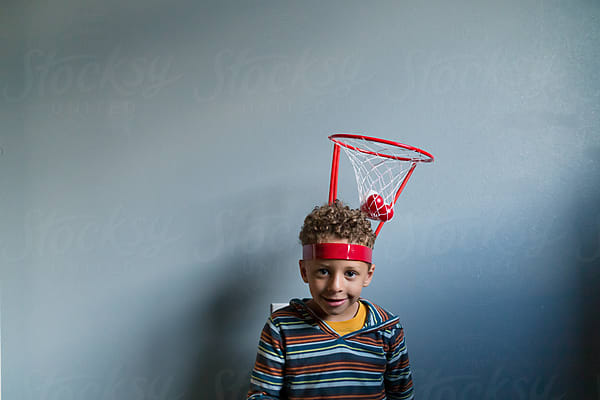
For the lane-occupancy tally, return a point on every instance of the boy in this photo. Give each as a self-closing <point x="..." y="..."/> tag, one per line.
<point x="335" y="345"/>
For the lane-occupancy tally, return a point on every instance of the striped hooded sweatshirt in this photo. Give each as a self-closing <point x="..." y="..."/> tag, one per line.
<point x="301" y="357"/>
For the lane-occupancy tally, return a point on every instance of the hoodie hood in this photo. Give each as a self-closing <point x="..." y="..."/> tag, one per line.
<point x="377" y="317"/>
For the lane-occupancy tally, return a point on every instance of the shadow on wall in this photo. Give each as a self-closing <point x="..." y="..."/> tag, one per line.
<point x="203" y="345"/>
<point x="262" y="243"/>
<point x="222" y="365"/>
<point x="587" y="218"/>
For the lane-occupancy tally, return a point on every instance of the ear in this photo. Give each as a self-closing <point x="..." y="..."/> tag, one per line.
<point x="303" y="272"/>
<point x="369" y="276"/>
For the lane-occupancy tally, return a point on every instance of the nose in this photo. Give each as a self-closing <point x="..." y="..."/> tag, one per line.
<point x="336" y="282"/>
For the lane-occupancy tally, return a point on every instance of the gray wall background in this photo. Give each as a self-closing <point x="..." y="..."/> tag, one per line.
<point x="157" y="160"/>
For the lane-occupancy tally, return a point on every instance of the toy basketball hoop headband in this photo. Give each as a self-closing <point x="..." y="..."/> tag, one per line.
<point x="382" y="169"/>
<point x="337" y="251"/>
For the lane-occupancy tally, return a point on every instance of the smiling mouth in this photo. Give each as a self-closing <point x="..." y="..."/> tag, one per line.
<point x="335" y="302"/>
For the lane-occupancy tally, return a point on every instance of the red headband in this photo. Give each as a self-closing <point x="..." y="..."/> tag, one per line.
<point x="337" y="251"/>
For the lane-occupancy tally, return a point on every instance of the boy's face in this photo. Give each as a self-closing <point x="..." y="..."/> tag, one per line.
<point x="335" y="285"/>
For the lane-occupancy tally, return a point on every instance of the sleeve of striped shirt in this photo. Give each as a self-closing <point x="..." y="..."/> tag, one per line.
<point x="398" y="378"/>
<point x="266" y="379"/>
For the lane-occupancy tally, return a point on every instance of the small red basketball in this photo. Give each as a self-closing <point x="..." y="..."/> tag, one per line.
<point x="388" y="214"/>
<point x="374" y="206"/>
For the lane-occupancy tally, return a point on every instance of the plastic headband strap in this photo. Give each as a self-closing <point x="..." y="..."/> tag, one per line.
<point x="337" y="251"/>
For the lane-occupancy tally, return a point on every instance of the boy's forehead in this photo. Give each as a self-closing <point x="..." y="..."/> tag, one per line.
<point x="337" y="263"/>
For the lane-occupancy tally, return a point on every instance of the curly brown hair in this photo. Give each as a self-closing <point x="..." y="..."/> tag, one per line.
<point x="337" y="220"/>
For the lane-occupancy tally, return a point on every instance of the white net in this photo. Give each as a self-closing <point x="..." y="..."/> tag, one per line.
<point x="380" y="169"/>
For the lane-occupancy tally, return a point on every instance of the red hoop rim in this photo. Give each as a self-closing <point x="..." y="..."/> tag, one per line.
<point x="335" y="138"/>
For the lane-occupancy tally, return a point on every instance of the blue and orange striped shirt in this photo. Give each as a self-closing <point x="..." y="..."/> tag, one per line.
<point x="301" y="357"/>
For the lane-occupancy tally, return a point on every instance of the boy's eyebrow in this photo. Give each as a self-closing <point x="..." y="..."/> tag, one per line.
<point x="323" y="263"/>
